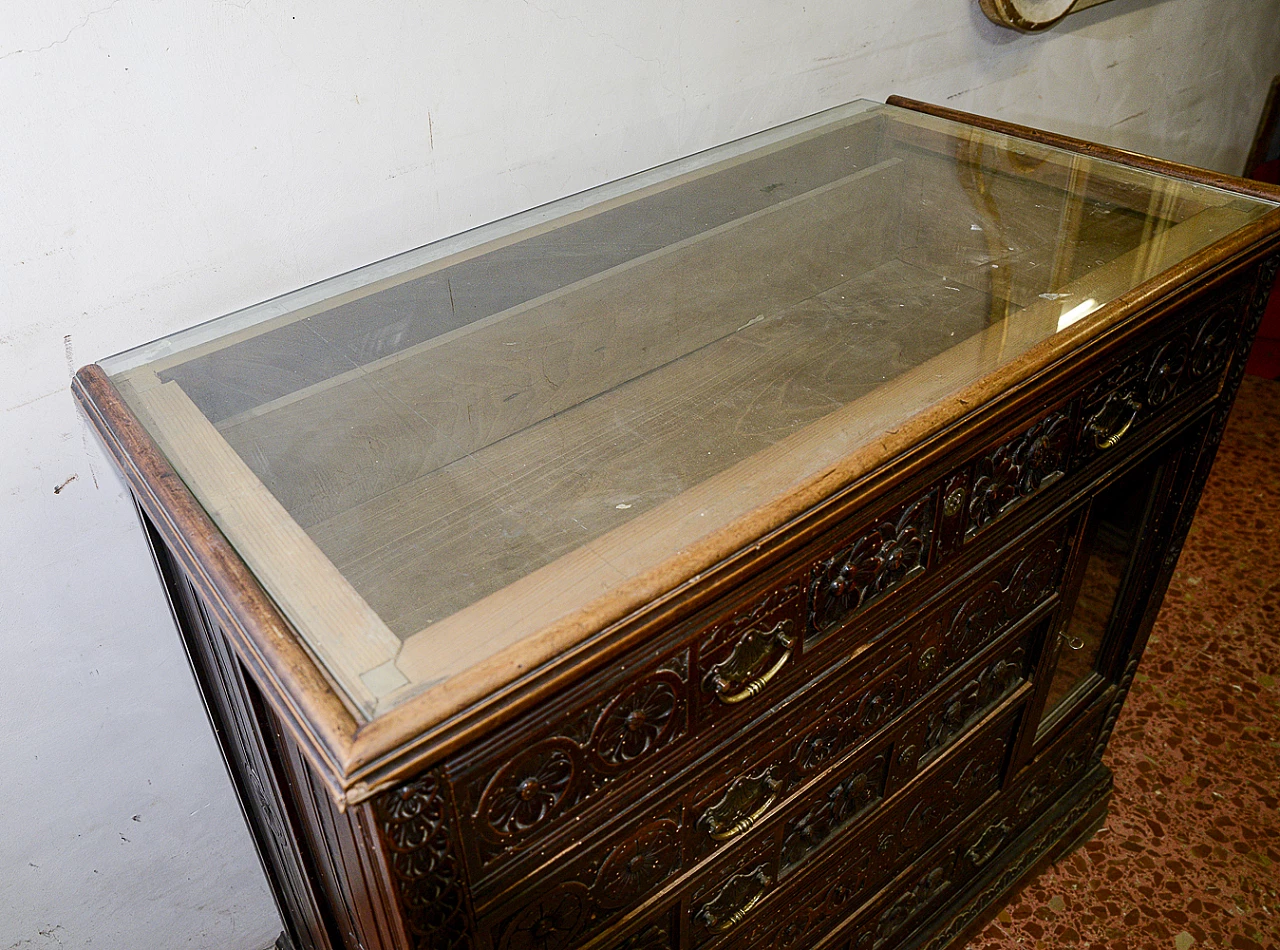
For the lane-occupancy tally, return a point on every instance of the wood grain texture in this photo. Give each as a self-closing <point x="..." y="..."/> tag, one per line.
<point x="314" y="710"/>
<point x="345" y="632"/>
<point x="424" y="407"/>
<point x="541" y="598"/>
<point x="336" y="313"/>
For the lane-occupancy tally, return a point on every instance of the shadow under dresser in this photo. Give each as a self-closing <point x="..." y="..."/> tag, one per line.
<point x="753" y="552"/>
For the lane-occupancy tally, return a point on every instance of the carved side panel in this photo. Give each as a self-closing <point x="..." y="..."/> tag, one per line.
<point x="415" y="823"/>
<point x="242" y="726"/>
<point x="1058" y="767"/>
<point x="880" y="559"/>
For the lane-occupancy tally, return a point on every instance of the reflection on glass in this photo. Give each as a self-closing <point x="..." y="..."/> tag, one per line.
<point x="432" y="458"/>
<point x="1114" y="528"/>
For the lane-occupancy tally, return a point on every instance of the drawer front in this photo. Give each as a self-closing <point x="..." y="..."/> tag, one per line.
<point x="839" y="780"/>
<point x="1116" y="407"/>
<point x="510" y="795"/>
<point x="751" y="778"/>
<point x="719" y="807"/>
<point x="966" y="844"/>
<point x="1138" y="389"/>
<point x="727" y="666"/>
<point x="1024" y="578"/>
<point x="982" y="841"/>
<point x="967" y="841"/>
<point x="567" y="907"/>
<point x="883" y="556"/>
<point x="849" y="793"/>
<point x="964" y="655"/>
<point x="752" y="907"/>
<point x="779" y="643"/>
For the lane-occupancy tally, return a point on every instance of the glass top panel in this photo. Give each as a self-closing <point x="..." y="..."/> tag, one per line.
<point x="435" y="458"/>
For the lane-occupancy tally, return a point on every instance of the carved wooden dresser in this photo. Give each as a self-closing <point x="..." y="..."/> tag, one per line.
<point x="755" y="552"/>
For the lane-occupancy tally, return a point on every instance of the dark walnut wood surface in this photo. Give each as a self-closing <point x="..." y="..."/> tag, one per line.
<point x="858" y="731"/>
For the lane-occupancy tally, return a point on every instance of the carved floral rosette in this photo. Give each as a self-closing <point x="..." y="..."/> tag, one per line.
<point x="1019" y="468"/>
<point x="596" y="893"/>
<point x="557" y="773"/>
<point x="878" y="561"/>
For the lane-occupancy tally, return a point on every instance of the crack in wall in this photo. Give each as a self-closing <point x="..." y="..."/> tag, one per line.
<point x="75" y="29"/>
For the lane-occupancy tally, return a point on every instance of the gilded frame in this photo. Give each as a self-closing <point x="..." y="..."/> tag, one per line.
<point x="1032" y="16"/>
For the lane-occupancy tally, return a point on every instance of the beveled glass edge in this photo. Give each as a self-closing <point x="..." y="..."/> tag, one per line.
<point x="353" y="280"/>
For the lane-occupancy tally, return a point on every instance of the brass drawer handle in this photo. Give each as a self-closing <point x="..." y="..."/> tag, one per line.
<point x="1106" y="433"/>
<point x="743" y="824"/>
<point x="753" y="646"/>
<point x="736" y="917"/>
<point x="721" y="825"/>
<point x="1075" y="643"/>
<point x="711" y="916"/>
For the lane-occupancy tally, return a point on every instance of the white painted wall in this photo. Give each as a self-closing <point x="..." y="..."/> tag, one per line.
<point x="166" y="161"/>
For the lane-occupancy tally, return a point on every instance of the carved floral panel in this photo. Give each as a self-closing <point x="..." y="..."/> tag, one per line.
<point x="551" y="776"/>
<point x="1132" y="391"/>
<point x="1019" y="468"/>
<point x="880" y="559"/>
<point x="594" y="892"/>
<point x="414" y="823"/>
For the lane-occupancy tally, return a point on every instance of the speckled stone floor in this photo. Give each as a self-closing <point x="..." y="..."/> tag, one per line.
<point x="1190" y="854"/>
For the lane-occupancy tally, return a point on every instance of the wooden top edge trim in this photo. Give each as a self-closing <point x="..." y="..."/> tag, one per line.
<point x="395" y="741"/>
<point x="290" y="678"/>
<point x="1255" y="189"/>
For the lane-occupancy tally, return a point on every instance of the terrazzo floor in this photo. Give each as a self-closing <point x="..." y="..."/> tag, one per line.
<point x="1190" y="854"/>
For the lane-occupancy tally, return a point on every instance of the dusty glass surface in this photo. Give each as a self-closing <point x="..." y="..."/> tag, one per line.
<point x="432" y="459"/>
